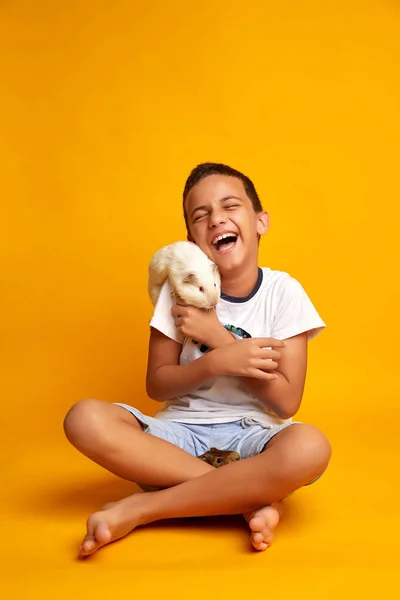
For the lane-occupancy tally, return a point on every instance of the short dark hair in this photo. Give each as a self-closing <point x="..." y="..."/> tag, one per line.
<point x="206" y="169"/>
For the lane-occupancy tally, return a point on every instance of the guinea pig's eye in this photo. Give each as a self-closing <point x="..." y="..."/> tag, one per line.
<point x="219" y="461"/>
<point x="215" y="285"/>
<point x="201" y="288"/>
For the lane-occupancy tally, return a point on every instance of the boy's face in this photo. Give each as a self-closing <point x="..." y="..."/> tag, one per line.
<point x="218" y="205"/>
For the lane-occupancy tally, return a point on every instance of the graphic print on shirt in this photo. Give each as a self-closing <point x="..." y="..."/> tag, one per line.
<point x="236" y="330"/>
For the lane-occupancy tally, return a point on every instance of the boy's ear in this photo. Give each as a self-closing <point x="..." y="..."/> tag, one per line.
<point x="189" y="238"/>
<point x="262" y="222"/>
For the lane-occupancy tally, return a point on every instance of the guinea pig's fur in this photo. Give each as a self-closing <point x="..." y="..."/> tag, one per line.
<point x="193" y="277"/>
<point x="219" y="458"/>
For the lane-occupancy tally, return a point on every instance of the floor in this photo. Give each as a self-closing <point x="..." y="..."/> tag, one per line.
<point x="336" y="537"/>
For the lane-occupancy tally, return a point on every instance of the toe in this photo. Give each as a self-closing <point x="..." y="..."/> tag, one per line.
<point x="89" y="545"/>
<point x="98" y="535"/>
<point x="257" y="538"/>
<point x="262" y="537"/>
<point x="102" y="533"/>
<point x="262" y="547"/>
<point x="261" y="543"/>
<point x="257" y="523"/>
<point x="262" y="524"/>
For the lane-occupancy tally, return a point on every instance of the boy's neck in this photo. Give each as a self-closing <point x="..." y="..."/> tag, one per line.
<point x="239" y="285"/>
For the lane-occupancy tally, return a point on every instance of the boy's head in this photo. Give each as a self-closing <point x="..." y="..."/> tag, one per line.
<point x="221" y="201"/>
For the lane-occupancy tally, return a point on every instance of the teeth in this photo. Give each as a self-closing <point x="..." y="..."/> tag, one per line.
<point x="221" y="237"/>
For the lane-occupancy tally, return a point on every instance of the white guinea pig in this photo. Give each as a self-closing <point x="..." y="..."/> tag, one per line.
<point x="193" y="277"/>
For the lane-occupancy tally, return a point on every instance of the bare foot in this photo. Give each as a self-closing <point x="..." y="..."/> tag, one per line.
<point x="117" y="519"/>
<point x="113" y="522"/>
<point x="262" y="523"/>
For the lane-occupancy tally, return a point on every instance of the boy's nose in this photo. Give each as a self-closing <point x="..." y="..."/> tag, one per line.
<point x="216" y="218"/>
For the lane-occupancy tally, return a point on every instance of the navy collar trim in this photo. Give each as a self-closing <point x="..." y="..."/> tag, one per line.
<point x="250" y="296"/>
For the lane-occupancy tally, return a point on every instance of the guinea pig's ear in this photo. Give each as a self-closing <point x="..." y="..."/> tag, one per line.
<point x="191" y="278"/>
<point x="215" y="268"/>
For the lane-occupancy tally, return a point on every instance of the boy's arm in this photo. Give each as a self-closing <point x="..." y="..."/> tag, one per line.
<point x="284" y="394"/>
<point x="166" y="378"/>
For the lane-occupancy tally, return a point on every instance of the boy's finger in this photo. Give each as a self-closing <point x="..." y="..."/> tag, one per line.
<point x="271" y="342"/>
<point x="268" y="365"/>
<point x="180" y="302"/>
<point x="176" y="310"/>
<point x="264" y="375"/>
<point x="273" y="354"/>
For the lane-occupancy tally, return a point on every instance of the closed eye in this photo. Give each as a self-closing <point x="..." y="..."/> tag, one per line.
<point x="199" y="217"/>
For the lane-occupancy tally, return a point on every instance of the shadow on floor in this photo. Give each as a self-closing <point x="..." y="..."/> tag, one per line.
<point x="81" y="499"/>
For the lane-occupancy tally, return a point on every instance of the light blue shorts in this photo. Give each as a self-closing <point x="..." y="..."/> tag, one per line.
<point x="246" y="436"/>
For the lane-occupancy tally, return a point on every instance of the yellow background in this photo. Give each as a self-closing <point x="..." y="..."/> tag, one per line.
<point x="104" y="109"/>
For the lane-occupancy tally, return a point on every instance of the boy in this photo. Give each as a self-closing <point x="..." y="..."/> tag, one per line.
<point x="236" y="388"/>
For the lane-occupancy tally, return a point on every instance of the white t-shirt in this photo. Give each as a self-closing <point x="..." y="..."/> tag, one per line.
<point x="278" y="307"/>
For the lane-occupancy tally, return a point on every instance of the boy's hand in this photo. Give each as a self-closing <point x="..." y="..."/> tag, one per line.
<point x="199" y="325"/>
<point x="248" y="358"/>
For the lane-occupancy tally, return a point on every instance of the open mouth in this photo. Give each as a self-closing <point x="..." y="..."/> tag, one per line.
<point x="225" y="242"/>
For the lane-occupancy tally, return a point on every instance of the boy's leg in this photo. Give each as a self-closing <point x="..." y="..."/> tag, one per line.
<point x="293" y="458"/>
<point x="113" y="438"/>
